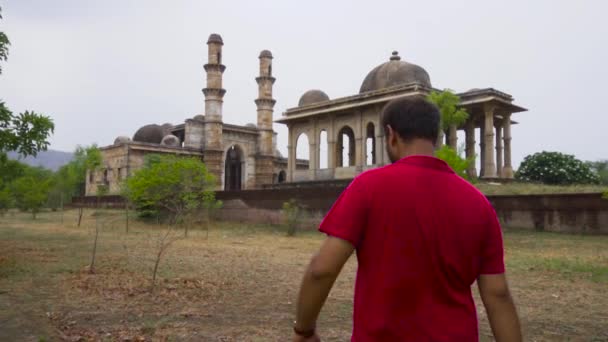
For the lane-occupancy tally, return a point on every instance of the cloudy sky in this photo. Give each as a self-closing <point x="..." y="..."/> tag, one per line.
<point x="104" y="68"/>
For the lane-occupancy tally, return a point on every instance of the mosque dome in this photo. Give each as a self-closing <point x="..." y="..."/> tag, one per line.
<point x="215" y="38"/>
<point x="199" y="117"/>
<point x="312" y="96"/>
<point x="170" y="140"/>
<point x="121" y="140"/>
<point x="149" y="134"/>
<point x="265" y="54"/>
<point x="394" y="72"/>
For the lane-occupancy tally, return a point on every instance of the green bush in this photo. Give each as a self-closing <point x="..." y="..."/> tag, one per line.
<point x="291" y="215"/>
<point x="555" y="168"/>
<point x="454" y="160"/>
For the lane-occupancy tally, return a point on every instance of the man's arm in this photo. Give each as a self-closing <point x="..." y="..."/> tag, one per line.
<point x="500" y="308"/>
<point x="323" y="270"/>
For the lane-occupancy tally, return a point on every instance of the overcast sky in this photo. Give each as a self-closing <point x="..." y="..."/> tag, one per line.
<point x="102" y="69"/>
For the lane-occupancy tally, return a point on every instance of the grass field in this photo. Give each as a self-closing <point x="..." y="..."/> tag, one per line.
<point x="239" y="283"/>
<point x="516" y="188"/>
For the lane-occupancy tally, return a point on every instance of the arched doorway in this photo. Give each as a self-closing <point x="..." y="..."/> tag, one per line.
<point x="370" y="144"/>
<point x="233" y="172"/>
<point x="345" y="148"/>
<point x="282" y="176"/>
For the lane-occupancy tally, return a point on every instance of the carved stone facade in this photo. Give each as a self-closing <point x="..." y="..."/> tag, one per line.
<point x="241" y="157"/>
<point x="354" y="139"/>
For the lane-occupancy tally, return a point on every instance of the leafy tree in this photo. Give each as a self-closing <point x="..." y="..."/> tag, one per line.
<point x="600" y="168"/>
<point x="555" y="168"/>
<point x="26" y="133"/>
<point x="451" y="114"/>
<point x="4" y="43"/>
<point x="173" y="185"/>
<point x="454" y="160"/>
<point x="71" y="178"/>
<point x="32" y="189"/>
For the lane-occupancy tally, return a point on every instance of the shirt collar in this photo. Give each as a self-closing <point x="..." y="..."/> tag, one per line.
<point x="426" y="161"/>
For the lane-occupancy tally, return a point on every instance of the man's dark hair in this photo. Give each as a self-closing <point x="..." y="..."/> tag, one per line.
<point x="412" y="118"/>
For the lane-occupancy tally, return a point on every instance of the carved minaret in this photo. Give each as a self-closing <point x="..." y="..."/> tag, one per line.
<point x="214" y="94"/>
<point x="265" y="107"/>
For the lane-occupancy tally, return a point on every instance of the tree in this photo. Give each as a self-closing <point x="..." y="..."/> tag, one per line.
<point x="4" y="43"/>
<point x="600" y="168"/>
<point x="452" y="116"/>
<point x="172" y="185"/>
<point x="555" y="168"/>
<point x="26" y="133"/>
<point x="455" y="160"/>
<point x="31" y="191"/>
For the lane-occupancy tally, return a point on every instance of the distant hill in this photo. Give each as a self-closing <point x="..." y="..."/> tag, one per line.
<point x="50" y="159"/>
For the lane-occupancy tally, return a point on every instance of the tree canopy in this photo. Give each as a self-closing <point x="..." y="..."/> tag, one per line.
<point x="447" y="102"/>
<point x="171" y="184"/>
<point x="555" y="168"/>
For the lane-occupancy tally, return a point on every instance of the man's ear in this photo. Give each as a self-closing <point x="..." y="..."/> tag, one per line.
<point x="390" y="134"/>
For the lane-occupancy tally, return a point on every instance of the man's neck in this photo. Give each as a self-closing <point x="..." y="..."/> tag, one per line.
<point x="417" y="147"/>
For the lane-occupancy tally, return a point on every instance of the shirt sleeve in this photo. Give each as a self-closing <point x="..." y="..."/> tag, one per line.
<point x="348" y="216"/>
<point x="492" y="256"/>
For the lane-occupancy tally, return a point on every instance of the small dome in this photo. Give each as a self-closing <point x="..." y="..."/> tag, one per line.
<point x="152" y="134"/>
<point x="121" y="140"/>
<point x="215" y="38"/>
<point x="265" y="54"/>
<point x="312" y="96"/>
<point x="278" y="154"/>
<point x="171" y="140"/>
<point x="252" y="125"/>
<point x="199" y="117"/>
<point x="394" y="72"/>
<point x="167" y="127"/>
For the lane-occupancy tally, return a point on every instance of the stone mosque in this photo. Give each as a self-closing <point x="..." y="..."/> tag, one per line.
<point x="246" y="157"/>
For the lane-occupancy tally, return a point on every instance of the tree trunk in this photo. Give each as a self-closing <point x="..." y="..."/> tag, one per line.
<point x="92" y="266"/>
<point x="80" y="210"/>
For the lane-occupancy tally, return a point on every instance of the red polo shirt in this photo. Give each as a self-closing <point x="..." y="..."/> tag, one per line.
<point x="422" y="235"/>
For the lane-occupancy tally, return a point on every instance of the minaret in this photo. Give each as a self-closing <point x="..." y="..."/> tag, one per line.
<point x="265" y="107"/>
<point x="214" y="94"/>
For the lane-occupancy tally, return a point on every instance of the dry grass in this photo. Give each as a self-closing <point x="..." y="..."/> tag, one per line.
<point x="240" y="283"/>
<point x="533" y="189"/>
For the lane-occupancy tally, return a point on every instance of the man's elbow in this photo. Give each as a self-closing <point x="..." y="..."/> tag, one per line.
<point x="319" y="270"/>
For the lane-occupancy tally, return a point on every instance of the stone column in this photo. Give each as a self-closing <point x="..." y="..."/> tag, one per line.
<point x="291" y="156"/>
<point x="453" y="137"/>
<point x="499" y="151"/>
<point x="482" y="150"/>
<point x="470" y="147"/>
<point x="507" y="171"/>
<point x="489" y="165"/>
<point x="359" y="154"/>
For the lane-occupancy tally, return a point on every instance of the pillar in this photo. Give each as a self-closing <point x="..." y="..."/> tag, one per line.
<point x="291" y="155"/>
<point x="264" y="165"/>
<point x="453" y="137"/>
<point x="499" y="151"/>
<point x="470" y="147"/>
<point x="214" y="94"/>
<point x="490" y="164"/>
<point x="482" y="149"/>
<point x="507" y="171"/>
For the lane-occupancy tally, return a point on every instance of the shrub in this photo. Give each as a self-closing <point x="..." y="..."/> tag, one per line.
<point x="291" y="216"/>
<point x="454" y="160"/>
<point x="555" y="168"/>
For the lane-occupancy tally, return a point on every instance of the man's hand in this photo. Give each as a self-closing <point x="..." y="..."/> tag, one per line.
<point x="500" y="308"/>
<point x="318" y="280"/>
<point x="313" y="338"/>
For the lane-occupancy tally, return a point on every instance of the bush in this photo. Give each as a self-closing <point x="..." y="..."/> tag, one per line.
<point x="291" y="215"/>
<point x="454" y="160"/>
<point x="555" y="168"/>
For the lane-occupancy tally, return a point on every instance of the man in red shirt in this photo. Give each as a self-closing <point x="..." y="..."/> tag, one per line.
<point x="423" y="236"/>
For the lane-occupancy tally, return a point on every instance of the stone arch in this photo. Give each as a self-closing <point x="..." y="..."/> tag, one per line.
<point x="345" y="147"/>
<point x="303" y="148"/>
<point x="323" y="149"/>
<point x="282" y="176"/>
<point x="234" y="168"/>
<point x="370" y="144"/>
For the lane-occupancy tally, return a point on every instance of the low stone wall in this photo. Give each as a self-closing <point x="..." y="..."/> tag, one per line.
<point x="571" y="213"/>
